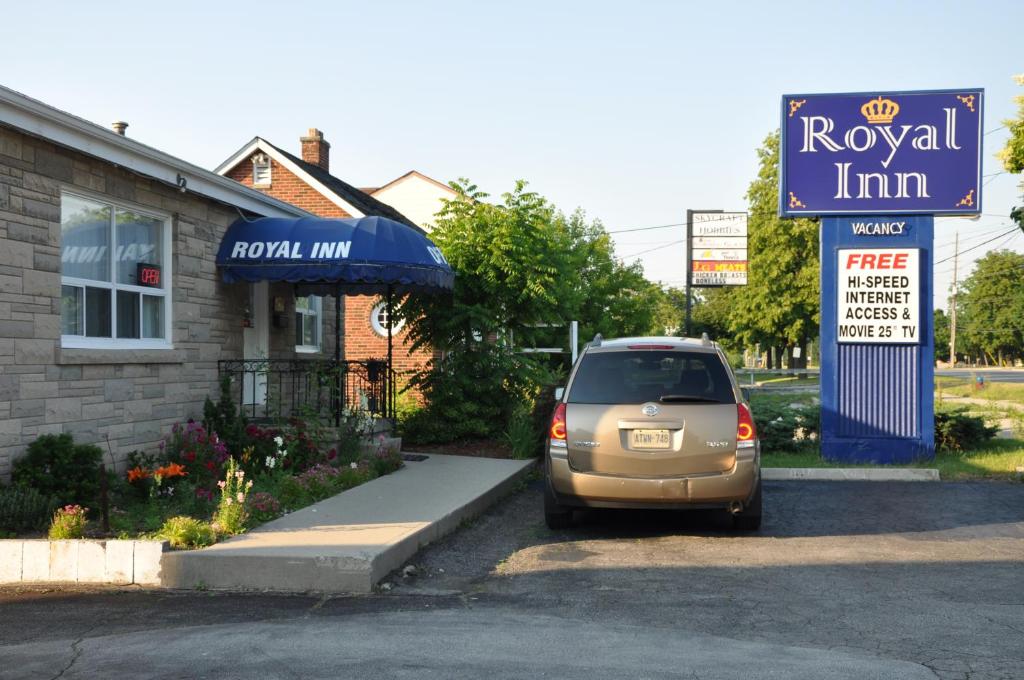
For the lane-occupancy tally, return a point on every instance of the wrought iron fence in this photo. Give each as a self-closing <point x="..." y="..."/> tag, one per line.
<point x="269" y="388"/>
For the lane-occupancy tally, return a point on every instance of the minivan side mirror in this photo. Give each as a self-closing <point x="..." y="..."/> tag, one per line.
<point x="746" y="393"/>
<point x="559" y="393"/>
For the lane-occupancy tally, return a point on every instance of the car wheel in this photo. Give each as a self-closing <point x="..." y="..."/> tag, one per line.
<point x="750" y="518"/>
<point x="555" y="516"/>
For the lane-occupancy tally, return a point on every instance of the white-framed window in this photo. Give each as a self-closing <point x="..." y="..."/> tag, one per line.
<point x="261" y="170"/>
<point x="379" y="321"/>
<point x="115" y="275"/>
<point x="308" y="315"/>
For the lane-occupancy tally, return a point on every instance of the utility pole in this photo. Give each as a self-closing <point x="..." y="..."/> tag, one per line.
<point x="689" y="273"/>
<point x="952" y="310"/>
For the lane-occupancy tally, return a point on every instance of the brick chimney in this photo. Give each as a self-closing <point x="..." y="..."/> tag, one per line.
<point x="316" y="150"/>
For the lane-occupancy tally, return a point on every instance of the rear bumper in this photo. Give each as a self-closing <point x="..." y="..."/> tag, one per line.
<point x="583" y="489"/>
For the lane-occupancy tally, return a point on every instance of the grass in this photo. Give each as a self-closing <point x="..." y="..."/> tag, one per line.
<point x="760" y="399"/>
<point x="991" y="391"/>
<point x="776" y="379"/>
<point x="997" y="459"/>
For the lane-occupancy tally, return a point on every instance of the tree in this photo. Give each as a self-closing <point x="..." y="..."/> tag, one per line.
<point x="993" y="306"/>
<point x="1012" y="154"/>
<point x="523" y="271"/>
<point x="780" y="304"/>
<point x="512" y="262"/>
<point x="711" y="314"/>
<point x="607" y="297"/>
<point x="942" y="333"/>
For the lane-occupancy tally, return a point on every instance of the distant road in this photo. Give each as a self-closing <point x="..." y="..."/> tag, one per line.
<point x="991" y="374"/>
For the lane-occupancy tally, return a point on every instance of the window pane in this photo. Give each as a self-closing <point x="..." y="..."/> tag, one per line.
<point x="85" y="238"/>
<point x="152" y="316"/>
<point x="139" y="239"/>
<point x="639" y="376"/>
<point x="71" y="298"/>
<point x="303" y="304"/>
<point x="97" y="312"/>
<point x="298" y="327"/>
<point x="127" y="314"/>
<point x="309" y="330"/>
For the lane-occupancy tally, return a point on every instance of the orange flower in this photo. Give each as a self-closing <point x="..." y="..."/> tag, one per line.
<point x="171" y="470"/>
<point x="137" y="473"/>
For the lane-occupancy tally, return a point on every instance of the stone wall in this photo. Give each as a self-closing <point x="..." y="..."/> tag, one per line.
<point x="127" y="397"/>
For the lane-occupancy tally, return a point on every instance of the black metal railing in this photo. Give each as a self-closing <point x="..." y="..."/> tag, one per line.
<point x="281" y="388"/>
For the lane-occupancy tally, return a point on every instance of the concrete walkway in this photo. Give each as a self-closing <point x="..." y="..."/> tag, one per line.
<point x="349" y="542"/>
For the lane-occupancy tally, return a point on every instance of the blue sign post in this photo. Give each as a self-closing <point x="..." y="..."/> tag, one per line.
<point x="877" y="167"/>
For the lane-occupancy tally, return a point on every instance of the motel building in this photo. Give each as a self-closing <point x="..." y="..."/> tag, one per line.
<point x="114" y="319"/>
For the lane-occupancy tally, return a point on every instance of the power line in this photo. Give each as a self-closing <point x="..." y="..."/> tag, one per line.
<point x="728" y="216"/>
<point x="651" y="250"/>
<point x="974" y="236"/>
<point x="993" y="130"/>
<point x="996" y="238"/>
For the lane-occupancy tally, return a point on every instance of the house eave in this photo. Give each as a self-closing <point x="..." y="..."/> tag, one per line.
<point x="41" y="120"/>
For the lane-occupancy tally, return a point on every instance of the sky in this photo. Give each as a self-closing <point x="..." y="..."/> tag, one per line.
<point x="632" y="111"/>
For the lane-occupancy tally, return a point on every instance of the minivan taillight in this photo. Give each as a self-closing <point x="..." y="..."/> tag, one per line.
<point x="745" y="432"/>
<point x="558" y="429"/>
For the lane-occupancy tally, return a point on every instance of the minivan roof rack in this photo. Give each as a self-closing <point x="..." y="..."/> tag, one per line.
<point x="596" y="342"/>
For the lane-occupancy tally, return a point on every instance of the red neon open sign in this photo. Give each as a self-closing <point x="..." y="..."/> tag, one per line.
<point x="148" y="275"/>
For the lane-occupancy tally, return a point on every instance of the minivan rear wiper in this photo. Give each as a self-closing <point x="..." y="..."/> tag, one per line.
<point x="674" y="398"/>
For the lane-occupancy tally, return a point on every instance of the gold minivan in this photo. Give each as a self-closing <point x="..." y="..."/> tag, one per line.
<point x="653" y="423"/>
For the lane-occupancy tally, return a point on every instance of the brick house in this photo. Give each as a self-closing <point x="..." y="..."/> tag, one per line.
<point x="113" y="316"/>
<point x="307" y="182"/>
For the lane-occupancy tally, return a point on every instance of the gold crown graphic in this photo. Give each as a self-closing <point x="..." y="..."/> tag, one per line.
<point x="880" y="111"/>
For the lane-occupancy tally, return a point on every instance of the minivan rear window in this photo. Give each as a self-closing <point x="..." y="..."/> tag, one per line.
<point x="637" y="377"/>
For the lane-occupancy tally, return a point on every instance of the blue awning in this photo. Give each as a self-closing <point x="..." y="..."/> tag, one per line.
<point x="367" y="255"/>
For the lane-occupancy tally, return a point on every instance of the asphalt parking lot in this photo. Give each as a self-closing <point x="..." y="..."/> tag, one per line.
<point x="845" y="579"/>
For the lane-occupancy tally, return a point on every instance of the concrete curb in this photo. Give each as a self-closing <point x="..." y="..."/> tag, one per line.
<point x="81" y="561"/>
<point x="348" y="543"/>
<point x="851" y="474"/>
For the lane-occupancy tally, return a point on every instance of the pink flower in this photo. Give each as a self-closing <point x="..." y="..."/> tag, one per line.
<point x="241" y="497"/>
<point x="221" y="483"/>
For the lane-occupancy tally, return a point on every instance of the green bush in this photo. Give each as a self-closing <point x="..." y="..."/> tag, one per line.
<point x="521" y="436"/>
<point x="55" y="466"/>
<point x="470" y="394"/>
<point x="957" y="431"/>
<point x="222" y="417"/>
<point x="68" y="522"/>
<point x="24" y="509"/>
<point x="780" y="427"/>
<point x="262" y="507"/>
<point x="187" y="532"/>
<point x="292" y="494"/>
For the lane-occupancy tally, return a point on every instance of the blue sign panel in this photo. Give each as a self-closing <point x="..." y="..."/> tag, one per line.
<point x="877" y="339"/>
<point x="881" y="153"/>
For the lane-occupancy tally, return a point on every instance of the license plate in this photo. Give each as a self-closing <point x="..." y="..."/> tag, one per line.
<point x="649" y="439"/>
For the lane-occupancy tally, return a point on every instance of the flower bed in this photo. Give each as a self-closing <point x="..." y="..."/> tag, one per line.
<point x="198" y="488"/>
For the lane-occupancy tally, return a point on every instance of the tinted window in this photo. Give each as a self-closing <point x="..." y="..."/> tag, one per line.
<point x="641" y="376"/>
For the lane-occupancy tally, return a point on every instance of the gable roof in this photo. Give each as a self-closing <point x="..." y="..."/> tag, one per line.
<point x="353" y="201"/>
<point x="410" y="175"/>
<point x="33" y="117"/>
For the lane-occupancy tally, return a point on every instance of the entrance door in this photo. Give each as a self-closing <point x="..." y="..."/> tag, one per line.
<point x="256" y="345"/>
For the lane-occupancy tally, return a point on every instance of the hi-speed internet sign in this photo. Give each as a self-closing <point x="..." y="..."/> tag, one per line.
<point x="881" y="153"/>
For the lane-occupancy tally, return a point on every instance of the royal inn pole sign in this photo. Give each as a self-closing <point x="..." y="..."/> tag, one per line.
<point x="886" y="153"/>
<point x="877" y="167"/>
